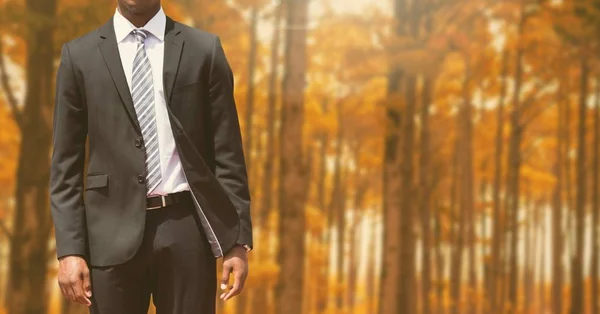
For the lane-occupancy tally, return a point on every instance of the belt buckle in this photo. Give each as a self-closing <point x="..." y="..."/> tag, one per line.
<point x="164" y="203"/>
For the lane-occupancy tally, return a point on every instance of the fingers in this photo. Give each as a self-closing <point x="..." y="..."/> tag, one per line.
<point x="79" y="295"/>
<point x="66" y="288"/>
<point x="238" y="285"/>
<point x="87" y="284"/>
<point x="83" y="288"/>
<point x="75" y="285"/>
<point x="227" y="268"/>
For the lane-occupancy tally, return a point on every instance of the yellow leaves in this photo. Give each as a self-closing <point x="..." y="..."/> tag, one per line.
<point x="247" y="4"/>
<point x="174" y="10"/>
<point x="537" y="176"/>
<point x="507" y="10"/>
<point x="9" y="141"/>
<point x="345" y="47"/>
<point x="415" y="61"/>
<point x="75" y="18"/>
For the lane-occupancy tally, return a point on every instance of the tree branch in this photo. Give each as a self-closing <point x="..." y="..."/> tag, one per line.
<point x="10" y="96"/>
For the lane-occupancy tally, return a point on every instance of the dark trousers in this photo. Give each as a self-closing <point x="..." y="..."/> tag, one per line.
<point x="174" y="264"/>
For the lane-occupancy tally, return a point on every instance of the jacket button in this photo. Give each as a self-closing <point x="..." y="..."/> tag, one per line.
<point x="141" y="179"/>
<point x="138" y="143"/>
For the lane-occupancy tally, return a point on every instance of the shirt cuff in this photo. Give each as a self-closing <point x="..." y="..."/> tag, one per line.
<point x="246" y="246"/>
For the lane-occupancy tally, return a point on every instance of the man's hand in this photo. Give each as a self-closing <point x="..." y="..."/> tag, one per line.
<point x="74" y="279"/>
<point x="236" y="262"/>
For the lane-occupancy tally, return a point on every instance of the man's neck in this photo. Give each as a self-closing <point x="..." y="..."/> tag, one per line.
<point x="138" y="20"/>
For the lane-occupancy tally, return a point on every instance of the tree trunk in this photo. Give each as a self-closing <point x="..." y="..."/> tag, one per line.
<point x="406" y="264"/>
<point x="307" y="295"/>
<point x="321" y="189"/>
<point x="484" y="250"/>
<point x="466" y="200"/>
<point x="529" y="253"/>
<point x="526" y="248"/>
<point x="27" y="291"/>
<point x="495" y="268"/>
<point x="439" y="263"/>
<point x="514" y="171"/>
<point x="557" y="217"/>
<point x="462" y="214"/>
<point x="250" y="94"/>
<point x="260" y="293"/>
<point x="542" y="266"/>
<point x="578" y="289"/>
<point x="260" y="303"/>
<point x="342" y="272"/>
<point x="474" y="300"/>
<point x="389" y="283"/>
<point x="339" y="208"/>
<point x="596" y="204"/>
<point x="425" y="189"/>
<point x="352" y="260"/>
<point x="360" y="190"/>
<point x="569" y="182"/>
<point x="332" y="213"/>
<point x="457" y="241"/>
<point x="513" y="185"/>
<point x="371" y="277"/>
<point x="291" y="202"/>
<point x="323" y="270"/>
<point x="391" y="271"/>
<point x="408" y="295"/>
<point x="341" y="241"/>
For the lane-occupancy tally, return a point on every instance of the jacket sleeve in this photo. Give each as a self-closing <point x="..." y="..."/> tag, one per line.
<point x="229" y="156"/>
<point x="68" y="157"/>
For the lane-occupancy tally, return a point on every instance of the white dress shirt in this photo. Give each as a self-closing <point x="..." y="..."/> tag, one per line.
<point x="173" y="178"/>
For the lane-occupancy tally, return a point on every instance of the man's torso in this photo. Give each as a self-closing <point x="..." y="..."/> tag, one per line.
<point x="115" y="186"/>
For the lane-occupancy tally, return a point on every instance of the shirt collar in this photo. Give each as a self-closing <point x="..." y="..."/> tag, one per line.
<point x="156" y="25"/>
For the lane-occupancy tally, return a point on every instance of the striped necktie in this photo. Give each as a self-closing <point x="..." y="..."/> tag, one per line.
<point x="142" y="93"/>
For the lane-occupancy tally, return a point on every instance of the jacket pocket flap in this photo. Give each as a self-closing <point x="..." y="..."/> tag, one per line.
<point x="96" y="181"/>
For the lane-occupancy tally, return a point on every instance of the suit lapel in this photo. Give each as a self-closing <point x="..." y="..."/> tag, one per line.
<point x="110" y="53"/>
<point x="173" y="48"/>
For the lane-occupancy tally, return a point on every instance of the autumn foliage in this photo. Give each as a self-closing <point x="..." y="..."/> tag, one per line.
<point x="404" y="156"/>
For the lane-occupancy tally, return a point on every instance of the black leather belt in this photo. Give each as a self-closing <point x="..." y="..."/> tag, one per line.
<point x="161" y="201"/>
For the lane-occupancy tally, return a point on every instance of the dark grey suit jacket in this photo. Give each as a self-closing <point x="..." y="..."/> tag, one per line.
<point x="104" y="220"/>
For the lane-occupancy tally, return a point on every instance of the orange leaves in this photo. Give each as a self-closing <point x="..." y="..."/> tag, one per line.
<point x="246" y="4"/>
<point x="538" y="176"/>
<point x="174" y="10"/>
<point x="75" y="18"/>
<point x="345" y="47"/>
<point x="506" y="10"/>
<point x="9" y="141"/>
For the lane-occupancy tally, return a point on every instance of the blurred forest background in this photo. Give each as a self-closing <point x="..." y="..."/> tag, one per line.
<point x="405" y="156"/>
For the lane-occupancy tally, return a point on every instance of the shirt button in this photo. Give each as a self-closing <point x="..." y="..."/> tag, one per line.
<point x="141" y="179"/>
<point x="138" y="143"/>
